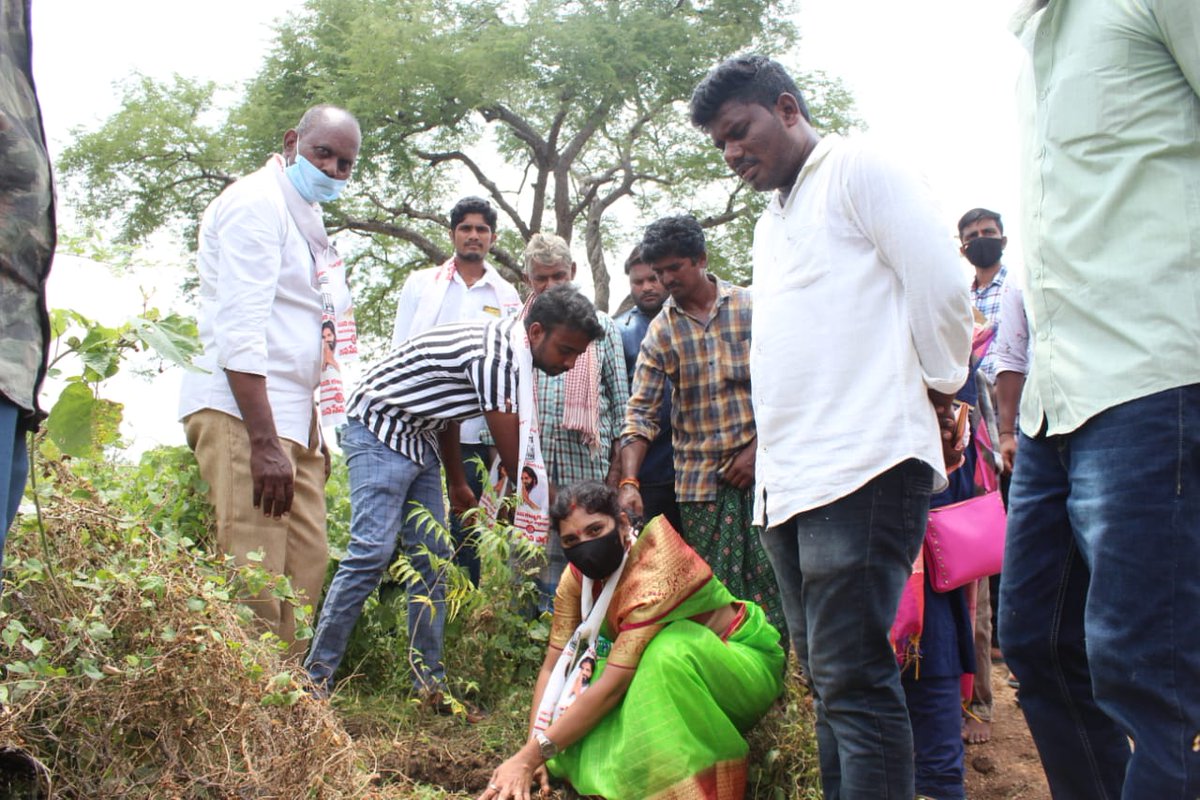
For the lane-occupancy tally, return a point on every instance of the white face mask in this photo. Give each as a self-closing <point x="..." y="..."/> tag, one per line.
<point x="313" y="184"/>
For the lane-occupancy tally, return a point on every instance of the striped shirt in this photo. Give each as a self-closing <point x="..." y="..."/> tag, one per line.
<point x="709" y="367"/>
<point x="447" y="374"/>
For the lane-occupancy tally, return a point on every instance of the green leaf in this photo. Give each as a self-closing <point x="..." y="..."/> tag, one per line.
<point x="34" y="646"/>
<point x="71" y="419"/>
<point x="173" y="339"/>
<point x="99" y="631"/>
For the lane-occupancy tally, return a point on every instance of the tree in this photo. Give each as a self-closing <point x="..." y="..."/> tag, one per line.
<point x="569" y="116"/>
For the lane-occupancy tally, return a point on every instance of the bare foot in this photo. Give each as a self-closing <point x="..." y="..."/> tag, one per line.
<point x="976" y="731"/>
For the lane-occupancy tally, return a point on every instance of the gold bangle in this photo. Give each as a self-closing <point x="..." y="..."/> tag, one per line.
<point x="634" y="482"/>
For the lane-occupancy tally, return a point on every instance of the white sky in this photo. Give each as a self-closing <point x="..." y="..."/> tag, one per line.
<point x="934" y="82"/>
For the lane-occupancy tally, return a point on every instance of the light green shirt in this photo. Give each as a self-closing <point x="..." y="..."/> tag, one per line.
<point x="1111" y="202"/>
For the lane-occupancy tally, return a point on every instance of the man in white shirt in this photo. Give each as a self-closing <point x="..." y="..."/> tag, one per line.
<point x="464" y="289"/>
<point x="861" y="335"/>
<point x="250" y="419"/>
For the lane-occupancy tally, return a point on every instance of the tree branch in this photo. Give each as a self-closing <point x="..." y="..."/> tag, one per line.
<point x="520" y="128"/>
<point x="457" y="155"/>
<point x="423" y="243"/>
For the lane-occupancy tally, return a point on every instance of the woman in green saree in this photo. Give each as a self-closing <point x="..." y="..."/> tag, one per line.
<point x="674" y="668"/>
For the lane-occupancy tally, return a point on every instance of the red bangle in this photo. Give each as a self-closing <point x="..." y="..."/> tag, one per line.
<point x="634" y="482"/>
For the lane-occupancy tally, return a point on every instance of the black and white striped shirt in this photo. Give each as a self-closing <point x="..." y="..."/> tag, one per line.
<point x="449" y="373"/>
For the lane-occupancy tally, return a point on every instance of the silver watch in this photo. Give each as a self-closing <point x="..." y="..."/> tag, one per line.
<point x="546" y="748"/>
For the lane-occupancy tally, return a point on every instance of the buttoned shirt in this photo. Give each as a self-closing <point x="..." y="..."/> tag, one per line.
<point x="568" y="459"/>
<point x="260" y="308"/>
<point x="987" y="302"/>
<point x="1111" y="204"/>
<point x="490" y="297"/>
<point x="1011" y="346"/>
<point x="860" y="307"/>
<point x="707" y="364"/>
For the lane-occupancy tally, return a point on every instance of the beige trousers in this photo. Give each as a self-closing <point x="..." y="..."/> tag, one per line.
<point x="981" y="698"/>
<point x="294" y="545"/>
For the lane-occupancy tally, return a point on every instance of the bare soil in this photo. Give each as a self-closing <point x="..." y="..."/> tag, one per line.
<point x="457" y="759"/>
<point x="1007" y="767"/>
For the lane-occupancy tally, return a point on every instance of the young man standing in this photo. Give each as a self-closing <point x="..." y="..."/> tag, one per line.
<point x="464" y="289"/>
<point x="697" y="353"/>
<point x="861" y="335"/>
<point x="657" y="474"/>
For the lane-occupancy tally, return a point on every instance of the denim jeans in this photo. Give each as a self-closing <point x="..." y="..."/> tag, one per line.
<point x="1100" y="599"/>
<point x="935" y="712"/>
<point x="14" y="466"/>
<point x="384" y="488"/>
<point x="466" y="550"/>
<point x="841" y="569"/>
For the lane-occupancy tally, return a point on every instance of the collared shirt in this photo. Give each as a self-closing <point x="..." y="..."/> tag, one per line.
<point x="861" y="307"/>
<point x="447" y="374"/>
<point x="1111" y="204"/>
<point x="987" y="302"/>
<point x="568" y="459"/>
<point x="1011" y="346"/>
<point x="708" y="366"/>
<point x="490" y="297"/>
<point x="260" y="308"/>
<point x="658" y="466"/>
<point x="27" y="232"/>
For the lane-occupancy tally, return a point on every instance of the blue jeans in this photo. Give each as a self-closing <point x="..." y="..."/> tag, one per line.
<point x="384" y="487"/>
<point x="1100" y="599"/>
<point x="14" y="465"/>
<point x="466" y="550"/>
<point x="841" y="569"/>
<point x="935" y="711"/>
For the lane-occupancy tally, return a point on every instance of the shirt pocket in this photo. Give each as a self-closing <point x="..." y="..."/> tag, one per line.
<point x="734" y="358"/>
<point x="806" y="259"/>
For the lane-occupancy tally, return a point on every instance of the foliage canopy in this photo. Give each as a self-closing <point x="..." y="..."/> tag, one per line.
<point x="568" y="115"/>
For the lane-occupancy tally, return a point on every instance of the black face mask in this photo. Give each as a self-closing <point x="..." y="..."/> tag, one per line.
<point x="599" y="557"/>
<point x="985" y="251"/>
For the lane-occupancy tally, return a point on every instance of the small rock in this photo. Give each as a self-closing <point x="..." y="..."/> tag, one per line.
<point x="984" y="765"/>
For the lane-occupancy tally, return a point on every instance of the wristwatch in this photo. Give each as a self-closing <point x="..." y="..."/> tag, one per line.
<point x="546" y="748"/>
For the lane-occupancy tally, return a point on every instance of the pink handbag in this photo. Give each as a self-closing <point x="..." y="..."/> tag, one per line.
<point x="965" y="540"/>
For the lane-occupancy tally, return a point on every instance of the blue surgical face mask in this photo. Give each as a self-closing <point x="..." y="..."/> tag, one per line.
<point x="312" y="184"/>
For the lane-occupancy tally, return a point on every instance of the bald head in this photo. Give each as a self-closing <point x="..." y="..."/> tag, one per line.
<point x="329" y="137"/>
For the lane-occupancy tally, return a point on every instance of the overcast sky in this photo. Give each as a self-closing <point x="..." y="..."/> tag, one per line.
<point x="934" y="82"/>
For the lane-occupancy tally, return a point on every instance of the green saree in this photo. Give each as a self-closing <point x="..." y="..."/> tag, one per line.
<point x="677" y="733"/>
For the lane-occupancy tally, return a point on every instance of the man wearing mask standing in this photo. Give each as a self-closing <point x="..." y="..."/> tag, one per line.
<point x="251" y="418"/>
<point x="981" y="233"/>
